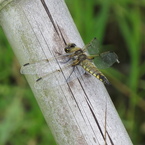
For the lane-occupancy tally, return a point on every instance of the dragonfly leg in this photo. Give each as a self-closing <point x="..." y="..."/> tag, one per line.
<point x="75" y="62"/>
<point x="67" y="80"/>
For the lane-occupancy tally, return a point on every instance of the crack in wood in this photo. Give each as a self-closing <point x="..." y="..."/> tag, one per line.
<point x="110" y="139"/>
<point x="79" y="108"/>
<point x="96" y="121"/>
<point x="49" y="15"/>
<point x="61" y="34"/>
<point x="100" y="127"/>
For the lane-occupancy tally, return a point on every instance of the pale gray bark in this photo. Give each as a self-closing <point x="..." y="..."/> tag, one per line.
<point x="76" y="112"/>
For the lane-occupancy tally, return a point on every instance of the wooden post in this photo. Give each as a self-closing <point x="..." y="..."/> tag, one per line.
<point x="80" y="112"/>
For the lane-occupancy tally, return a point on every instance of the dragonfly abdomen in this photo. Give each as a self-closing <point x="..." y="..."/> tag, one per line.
<point x="92" y="69"/>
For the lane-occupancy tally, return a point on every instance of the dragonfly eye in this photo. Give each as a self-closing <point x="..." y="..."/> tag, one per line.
<point x="69" y="47"/>
<point x="67" y="50"/>
<point x="72" y="45"/>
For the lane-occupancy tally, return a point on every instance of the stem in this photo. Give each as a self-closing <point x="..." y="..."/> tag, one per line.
<point x="75" y="112"/>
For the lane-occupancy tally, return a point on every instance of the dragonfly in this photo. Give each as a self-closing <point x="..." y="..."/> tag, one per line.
<point x="74" y="63"/>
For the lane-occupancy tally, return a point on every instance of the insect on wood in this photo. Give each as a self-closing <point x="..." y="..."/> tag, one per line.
<point x="74" y="63"/>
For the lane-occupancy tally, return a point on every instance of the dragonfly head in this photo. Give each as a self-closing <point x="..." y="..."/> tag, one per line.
<point x="70" y="48"/>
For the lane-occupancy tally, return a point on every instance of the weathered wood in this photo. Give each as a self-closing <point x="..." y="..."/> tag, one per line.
<point x="78" y="113"/>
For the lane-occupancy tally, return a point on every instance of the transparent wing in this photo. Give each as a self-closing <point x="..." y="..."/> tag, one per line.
<point x="93" y="47"/>
<point x="45" y="66"/>
<point x="106" y="59"/>
<point x="36" y="67"/>
<point x="59" y="77"/>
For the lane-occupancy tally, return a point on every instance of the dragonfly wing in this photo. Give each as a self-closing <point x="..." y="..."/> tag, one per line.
<point x="44" y="66"/>
<point x="36" y="68"/>
<point x="50" y="80"/>
<point x="93" y="47"/>
<point x="106" y="60"/>
<point x="59" y="77"/>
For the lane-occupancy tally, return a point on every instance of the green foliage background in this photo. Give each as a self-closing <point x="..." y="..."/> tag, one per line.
<point x="118" y="25"/>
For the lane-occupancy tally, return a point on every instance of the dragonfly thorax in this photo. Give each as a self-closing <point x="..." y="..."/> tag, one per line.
<point x="78" y="52"/>
<point x="82" y="57"/>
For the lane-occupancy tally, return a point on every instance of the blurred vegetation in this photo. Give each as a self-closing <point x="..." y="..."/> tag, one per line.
<point x="118" y="25"/>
